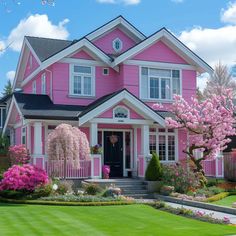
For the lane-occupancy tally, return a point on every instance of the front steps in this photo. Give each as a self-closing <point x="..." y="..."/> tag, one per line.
<point x="135" y="188"/>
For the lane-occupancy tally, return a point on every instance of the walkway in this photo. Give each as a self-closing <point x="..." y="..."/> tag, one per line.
<point x="216" y="214"/>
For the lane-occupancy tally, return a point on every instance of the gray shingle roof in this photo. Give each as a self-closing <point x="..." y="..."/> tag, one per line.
<point x="35" y="106"/>
<point x="45" y="47"/>
<point x="165" y="114"/>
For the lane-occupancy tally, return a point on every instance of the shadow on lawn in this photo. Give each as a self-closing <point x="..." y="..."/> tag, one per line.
<point x="2" y="204"/>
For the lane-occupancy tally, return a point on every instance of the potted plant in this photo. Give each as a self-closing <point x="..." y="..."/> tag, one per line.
<point x="105" y="171"/>
<point x="153" y="174"/>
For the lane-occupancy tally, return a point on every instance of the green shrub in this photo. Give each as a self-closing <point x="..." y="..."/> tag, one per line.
<point x="42" y="191"/>
<point x="176" y="175"/>
<point x="64" y="186"/>
<point x="12" y="194"/>
<point x="218" y="197"/>
<point x="92" y="189"/>
<point x="154" y="169"/>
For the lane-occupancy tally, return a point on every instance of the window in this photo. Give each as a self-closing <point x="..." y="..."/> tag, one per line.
<point x="2" y="116"/>
<point x="117" y="45"/>
<point x="34" y="87"/>
<point x="105" y="71"/>
<point x="163" y="142"/>
<point x="82" y="80"/>
<point x="43" y="83"/>
<point x="121" y="112"/>
<point x="23" y="135"/>
<point x="159" y="84"/>
<point x="30" y="61"/>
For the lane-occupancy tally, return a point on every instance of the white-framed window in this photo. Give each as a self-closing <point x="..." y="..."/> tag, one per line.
<point x="159" y="84"/>
<point x="105" y="71"/>
<point x="30" y="61"/>
<point x="2" y="116"/>
<point x="23" y="135"/>
<point x="43" y="83"/>
<point x="34" y="88"/>
<point x="120" y="112"/>
<point x="164" y="143"/>
<point x="117" y="45"/>
<point x="82" y="80"/>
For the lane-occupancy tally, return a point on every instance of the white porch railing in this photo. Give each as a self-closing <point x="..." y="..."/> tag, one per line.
<point x="56" y="169"/>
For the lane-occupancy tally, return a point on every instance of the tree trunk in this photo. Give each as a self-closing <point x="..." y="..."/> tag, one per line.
<point x="199" y="170"/>
<point x="64" y="168"/>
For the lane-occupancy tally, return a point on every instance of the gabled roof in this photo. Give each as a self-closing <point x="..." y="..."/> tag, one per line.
<point x="106" y="102"/>
<point x="46" y="47"/>
<point x="34" y="106"/>
<point x="120" y="22"/>
<point x="173" y="43"/>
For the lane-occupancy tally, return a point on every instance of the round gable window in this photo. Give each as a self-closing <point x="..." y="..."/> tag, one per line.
<point x="117" y="45"/>
<point x="121" y="112"/>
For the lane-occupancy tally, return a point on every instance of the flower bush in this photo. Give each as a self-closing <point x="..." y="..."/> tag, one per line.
<point x="96" y="149"/>
<point x="26" y="177"/>
<point x="167" y="190"/>
<point x="105" y="171"/>
<point x="19" y="155"/>
<point x="112" y="191"/>
<point x="177" y="176"/>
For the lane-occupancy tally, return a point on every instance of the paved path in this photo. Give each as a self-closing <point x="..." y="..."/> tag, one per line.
<point x="216" y="214"/>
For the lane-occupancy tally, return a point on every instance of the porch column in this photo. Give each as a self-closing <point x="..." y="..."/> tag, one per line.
<point x="38" y="148"/>
<point x="145" y="140"/>
<point x="135" y="152"/>
<point x="93" y="134"/>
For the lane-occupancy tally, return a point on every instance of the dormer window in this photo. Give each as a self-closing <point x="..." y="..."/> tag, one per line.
<point x="117" y="45"/>
<point x="121" y="112"/>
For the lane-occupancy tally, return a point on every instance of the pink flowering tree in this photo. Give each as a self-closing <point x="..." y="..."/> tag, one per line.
<point x="19" y="154"/>
<point x="68" y="144"/>
<point x="208" y="123"/>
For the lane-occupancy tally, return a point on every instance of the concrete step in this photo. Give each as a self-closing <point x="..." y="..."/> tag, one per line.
<point x="140" y="196"/>
<point x="137" y="191"/>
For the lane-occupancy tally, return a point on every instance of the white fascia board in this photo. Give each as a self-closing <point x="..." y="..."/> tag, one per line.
<point x="115" y="100"/>
<point x="32" y="50"/>
<point x="13" y="102"/>
<point x="200" y="63"/>
<point x="137" y="49"/>
<point x="19" y="67"/>
<point x="31" y="76"/>
<point x="82" y="43"/>
<point x="106" y="28"/>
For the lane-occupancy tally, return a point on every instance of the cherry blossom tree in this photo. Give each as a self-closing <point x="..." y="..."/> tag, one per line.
<point x="208" y="124"/>
<point x="68" y="144"/>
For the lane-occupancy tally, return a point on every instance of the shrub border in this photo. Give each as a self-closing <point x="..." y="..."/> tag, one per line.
<point x="57" y="203"/>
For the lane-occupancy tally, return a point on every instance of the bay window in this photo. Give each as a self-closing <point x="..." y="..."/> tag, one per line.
<point x="82" y="80"/>
<point x="164" y="143"/>
<point x="159" y="84"/>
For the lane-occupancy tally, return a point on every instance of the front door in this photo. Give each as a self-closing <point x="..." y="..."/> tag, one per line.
<point x="113" y="152"/>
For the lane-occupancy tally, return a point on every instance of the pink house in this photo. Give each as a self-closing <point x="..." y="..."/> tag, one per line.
<point x="105" y="83"/>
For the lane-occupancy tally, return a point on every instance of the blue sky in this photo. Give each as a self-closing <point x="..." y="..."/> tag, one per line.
<point x="208" y="27"/>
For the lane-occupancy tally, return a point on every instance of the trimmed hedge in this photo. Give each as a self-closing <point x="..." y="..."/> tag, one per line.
<point x="218" y="197"/>
<point x="154" y="169"/>
<point x="54" y="203"/>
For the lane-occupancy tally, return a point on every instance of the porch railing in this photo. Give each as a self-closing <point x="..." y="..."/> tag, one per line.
<point x="56" y="169"/>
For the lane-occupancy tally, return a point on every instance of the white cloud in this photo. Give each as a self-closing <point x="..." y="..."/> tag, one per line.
<point x="229" y="15"/>
<point x="202" y="81"/>
<point x="212" y="44"/>
<point x="126" y="2"/>
<point x="36" y="25"/>
<point x="10" y="75"/>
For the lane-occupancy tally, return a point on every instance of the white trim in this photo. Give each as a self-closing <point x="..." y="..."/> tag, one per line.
<point x="23" y="134"/>
<point x="31" y="76"/>
<point x="124" y="95"/>
<point x="108" y="71"/>
<point x="160" y="65"/>
<point x="13" y="102"/>
<point x="93" y="134"/>
<point x="135" y="147"/>
<point x="122" y="121"/>
<point x="74" y="47"/>
<point x="28" y="137"/>
<point x="34" y="87"/>
<point x="32" y="51"/>
<point x="82" y="62"/>
<point x="38" y="148"/>
<point x="112" y="24"/>
<point x="121" y="118"/>
<point x="163" y="33"/>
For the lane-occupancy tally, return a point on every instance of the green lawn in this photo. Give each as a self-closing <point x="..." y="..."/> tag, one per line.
<point x="108" y="220"/>
<point x="228" y="201"/>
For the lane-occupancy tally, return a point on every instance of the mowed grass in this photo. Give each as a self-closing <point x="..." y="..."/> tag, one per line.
<point x="228" y="201"/>
<point x="17" y="220"/>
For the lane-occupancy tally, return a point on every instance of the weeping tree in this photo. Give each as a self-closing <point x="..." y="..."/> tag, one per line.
<point x="69" y="145"/>
<point x="207" y="122"/>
